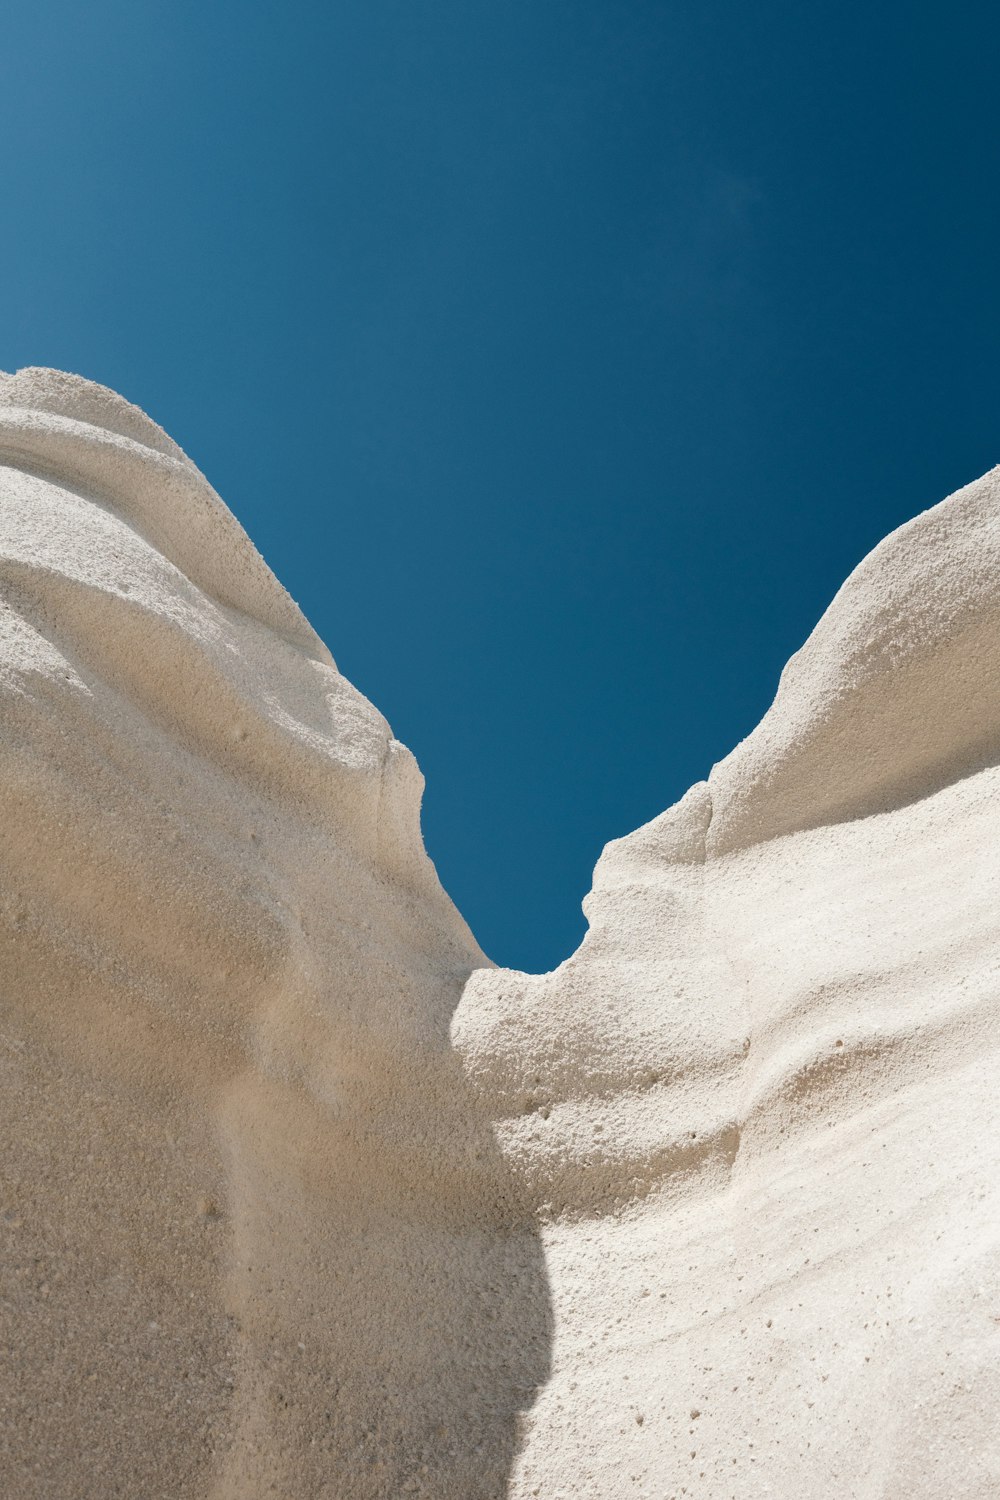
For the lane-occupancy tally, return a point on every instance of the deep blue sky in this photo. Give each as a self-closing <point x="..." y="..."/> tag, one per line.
<point x="561" y="356"/>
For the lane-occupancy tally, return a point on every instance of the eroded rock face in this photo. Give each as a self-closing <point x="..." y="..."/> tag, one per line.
<point x="258" y="1238"/>
<point x="303" y="1197"/>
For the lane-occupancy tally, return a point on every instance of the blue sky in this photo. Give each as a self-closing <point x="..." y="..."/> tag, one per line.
<point x="561" y="357"/>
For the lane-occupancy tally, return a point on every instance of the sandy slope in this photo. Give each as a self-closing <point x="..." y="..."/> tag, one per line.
<point x="303" y="1198"/>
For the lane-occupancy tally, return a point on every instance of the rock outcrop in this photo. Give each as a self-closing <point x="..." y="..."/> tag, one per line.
<point x="302" y="1197"/>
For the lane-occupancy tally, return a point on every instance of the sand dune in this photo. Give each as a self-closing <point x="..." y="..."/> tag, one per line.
<point x="302" y="1197"/>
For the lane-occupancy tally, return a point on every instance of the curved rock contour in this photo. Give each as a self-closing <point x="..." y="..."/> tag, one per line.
<point x="302" y="1197"/>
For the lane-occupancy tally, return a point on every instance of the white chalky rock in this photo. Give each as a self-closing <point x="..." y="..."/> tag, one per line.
<point x="303" y="1198"/>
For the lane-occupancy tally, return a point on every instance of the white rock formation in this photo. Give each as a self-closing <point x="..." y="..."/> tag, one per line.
<point x="303" y="1198"/>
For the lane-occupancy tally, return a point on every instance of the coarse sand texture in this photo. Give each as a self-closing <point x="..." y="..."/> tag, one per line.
<point x="302" y="1198"/>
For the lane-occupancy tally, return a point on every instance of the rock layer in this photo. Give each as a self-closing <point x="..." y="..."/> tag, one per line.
<point x="302" y="1197"/>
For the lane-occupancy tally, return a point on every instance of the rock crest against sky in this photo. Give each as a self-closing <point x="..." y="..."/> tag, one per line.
<point x="302" y="1196"/>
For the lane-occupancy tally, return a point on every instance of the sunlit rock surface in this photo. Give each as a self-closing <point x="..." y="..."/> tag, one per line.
<point x="302" y="1197"/>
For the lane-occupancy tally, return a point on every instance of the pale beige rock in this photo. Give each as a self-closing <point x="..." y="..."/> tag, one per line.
<point x="301" y="1197"/>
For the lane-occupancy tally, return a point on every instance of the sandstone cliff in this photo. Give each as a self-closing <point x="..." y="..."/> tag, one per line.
<point x="302" y="1197"/>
